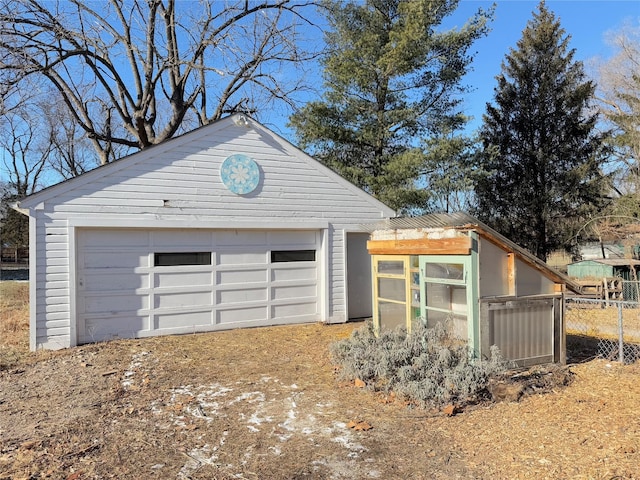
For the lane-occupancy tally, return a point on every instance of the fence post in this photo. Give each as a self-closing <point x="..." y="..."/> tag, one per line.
<point x="620" y="334"/>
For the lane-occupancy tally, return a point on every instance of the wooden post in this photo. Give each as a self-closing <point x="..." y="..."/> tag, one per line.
<point x="511" y="274"/>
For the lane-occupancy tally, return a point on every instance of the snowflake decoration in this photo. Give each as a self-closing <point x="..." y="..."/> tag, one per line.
<point x="240" y="174"/>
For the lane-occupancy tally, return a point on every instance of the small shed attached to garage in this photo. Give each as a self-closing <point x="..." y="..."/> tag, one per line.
<point x="452" y="267"/>
<point x="226" y="226"/>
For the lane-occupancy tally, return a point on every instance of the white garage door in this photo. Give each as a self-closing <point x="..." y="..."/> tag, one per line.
<point x="138" y="283"/>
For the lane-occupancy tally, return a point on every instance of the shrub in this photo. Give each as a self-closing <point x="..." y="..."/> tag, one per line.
<point x="428" y="366"/>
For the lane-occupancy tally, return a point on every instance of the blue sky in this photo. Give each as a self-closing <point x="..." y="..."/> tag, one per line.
<point x="586" y="21"/>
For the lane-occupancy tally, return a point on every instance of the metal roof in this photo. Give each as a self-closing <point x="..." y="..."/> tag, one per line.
<point x="432" y="220"/>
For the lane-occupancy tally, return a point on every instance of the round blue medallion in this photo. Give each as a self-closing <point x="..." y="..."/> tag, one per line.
<point x="240" y="174"/>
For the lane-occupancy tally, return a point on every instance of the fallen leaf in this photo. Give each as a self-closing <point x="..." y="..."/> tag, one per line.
<point x="362" y="426"/>
<point x="359" y="425"/>
<point x="359" y="383"/>
<point x="28" y="445"/>
<point x="450" y="410"/>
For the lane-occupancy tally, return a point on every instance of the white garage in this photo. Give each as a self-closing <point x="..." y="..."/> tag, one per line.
<point x="227" y="226"/>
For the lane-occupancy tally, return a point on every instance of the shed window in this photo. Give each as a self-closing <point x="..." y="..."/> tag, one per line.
<point x="280" y="256"/>
<point x="182" y="258"/>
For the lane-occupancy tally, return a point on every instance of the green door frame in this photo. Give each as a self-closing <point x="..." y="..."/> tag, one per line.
<point x="470" y="282"/>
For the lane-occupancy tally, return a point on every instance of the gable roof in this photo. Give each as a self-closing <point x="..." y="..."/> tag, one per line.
<point x="464" y="222"/>
<point x="239" y="121"/>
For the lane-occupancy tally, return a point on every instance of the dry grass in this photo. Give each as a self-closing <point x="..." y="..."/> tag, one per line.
<point x="602" y="323"/>
<point x="265" y="403"/>
<point x="14" y="322"/>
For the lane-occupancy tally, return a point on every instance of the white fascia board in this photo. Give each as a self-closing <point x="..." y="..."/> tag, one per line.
<point x="292" y="150"/>
<point x="18" y="208"/>
<point x="132" y="222"/>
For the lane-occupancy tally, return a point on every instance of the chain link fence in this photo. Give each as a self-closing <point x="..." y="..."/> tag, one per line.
<point x="603" y="328"/>
<point x="630" y="291"/>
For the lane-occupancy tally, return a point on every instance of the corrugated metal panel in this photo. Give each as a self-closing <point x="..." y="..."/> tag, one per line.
<point x="589" y="268"/>
<point x="523" y="329"/>
<point x="432" y="220"/>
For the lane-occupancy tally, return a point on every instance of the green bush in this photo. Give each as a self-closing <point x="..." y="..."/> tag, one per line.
<point x="428" y="366"/>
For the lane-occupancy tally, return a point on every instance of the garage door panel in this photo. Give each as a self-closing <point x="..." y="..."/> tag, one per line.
<point x="293" y="272"/>
<point x="241" y="276"/>
<point x="169" y="240"/>
<point x="243" y="314"/>
<point x="183" y="319"/>
<point x="293" y="291"/>
<point x="241" y="295"/>
<point x="114" y="281"/>
<point x="232" y="238"/>
<point x="106" y="328"/>
<point x="123" y="302"/>
<point x="114" y="259"/>
<point x="179" y="279"/>
<point x="182" y="299"/>
<point x="295" y="310"/>
<point x="241" y="257"/>
<point x="114" y="238"/>
<point x="288" y="238"/>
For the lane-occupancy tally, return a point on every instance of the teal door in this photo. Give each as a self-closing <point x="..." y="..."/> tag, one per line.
<point x="448" y="293"/>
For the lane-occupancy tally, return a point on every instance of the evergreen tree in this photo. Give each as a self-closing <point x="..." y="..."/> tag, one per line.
<point x="14" y="226"/>
<point x="392" y="78"/>
<point x="539" y="172"/>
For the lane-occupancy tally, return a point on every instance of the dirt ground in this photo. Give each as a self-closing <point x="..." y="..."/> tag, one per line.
<point x="266" y="404"/>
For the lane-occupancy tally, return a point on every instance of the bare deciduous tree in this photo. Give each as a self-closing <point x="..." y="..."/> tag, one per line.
<point x="134" y="73"/>
<point x="619" y="103"/>
<point x="25" y="153"/>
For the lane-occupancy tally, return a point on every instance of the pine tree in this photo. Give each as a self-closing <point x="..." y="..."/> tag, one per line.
<point x="541" y="155"/>
<point x="392" y="79"/>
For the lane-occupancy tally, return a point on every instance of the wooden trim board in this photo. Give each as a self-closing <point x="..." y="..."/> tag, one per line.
<point x="421" y="246"/>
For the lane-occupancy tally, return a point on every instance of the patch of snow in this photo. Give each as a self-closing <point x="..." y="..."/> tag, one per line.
<point x="136" y="364"/>
<point x="251" y="397"/>
<point x="256" y="419"/>
<point x="275" y="450"/>
<point x="198" y="457"/>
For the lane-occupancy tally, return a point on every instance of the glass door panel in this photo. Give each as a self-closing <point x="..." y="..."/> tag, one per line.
<point x="392" y="291"/>
<point x="391" y="315"/>
<point x="446" y="271"/>
<point x="445" y="291"/>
